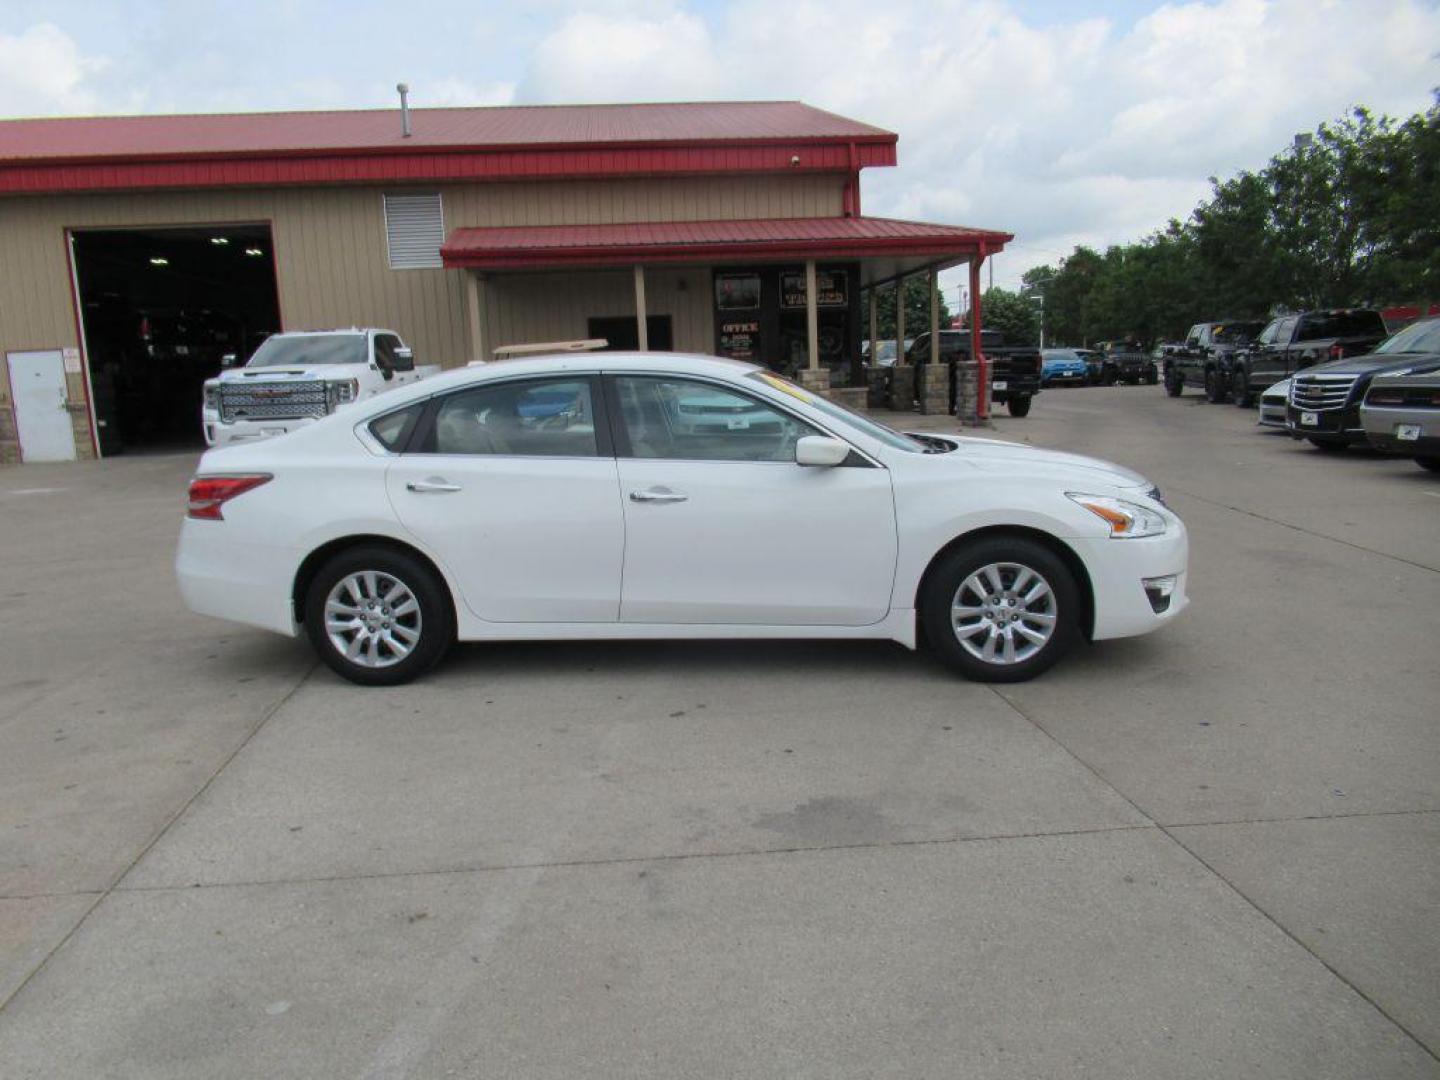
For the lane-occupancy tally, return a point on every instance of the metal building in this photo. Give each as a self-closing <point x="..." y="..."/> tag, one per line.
<point x="136" y="251"/>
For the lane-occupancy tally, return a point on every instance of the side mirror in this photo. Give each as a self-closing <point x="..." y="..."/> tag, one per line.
<point x="404" y="359"/>
<point x="820" y="451"/>
<point x="229" y="360"/>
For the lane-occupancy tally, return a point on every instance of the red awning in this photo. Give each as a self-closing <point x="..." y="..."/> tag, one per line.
<point x="548" y="246"/>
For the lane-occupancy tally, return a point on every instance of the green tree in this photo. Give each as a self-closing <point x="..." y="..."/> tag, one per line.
<point x="1015" y="316"/>
<point x="917" y="309"/>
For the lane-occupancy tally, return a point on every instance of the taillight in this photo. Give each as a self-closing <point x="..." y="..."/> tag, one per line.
<point x="1337" y="351"/>
<point x="209" y="493"/>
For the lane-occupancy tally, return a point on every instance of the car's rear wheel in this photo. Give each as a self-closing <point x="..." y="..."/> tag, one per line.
<point x="1240" y="392"/>
<point x="1214" y="388"/>
<point x="1019" y="406"/>
<point x="1001" y="609"/>
<point x="377" y="616"/>
<point x="1431" y="463"/>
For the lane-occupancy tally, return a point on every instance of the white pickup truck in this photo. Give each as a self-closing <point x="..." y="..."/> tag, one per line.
<point x="295" y="378"/>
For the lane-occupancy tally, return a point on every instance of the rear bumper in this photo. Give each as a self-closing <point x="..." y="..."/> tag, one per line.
<point x="1118" y="572"/>
<point x="1381" y="429"/>
<point x="242" y="582"/>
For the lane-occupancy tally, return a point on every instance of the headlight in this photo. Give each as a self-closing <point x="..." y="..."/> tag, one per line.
<point x="342" y="393"/>
<point x="1126" y="519"/>
<point x="212" y="397"/>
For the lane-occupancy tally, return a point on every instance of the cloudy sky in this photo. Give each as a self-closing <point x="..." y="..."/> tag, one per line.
<point x="1062" y="121"/>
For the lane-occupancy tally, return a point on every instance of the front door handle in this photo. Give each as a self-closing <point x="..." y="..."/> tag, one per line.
<point x="434" y="485"/>
<point x="657" y="495"/>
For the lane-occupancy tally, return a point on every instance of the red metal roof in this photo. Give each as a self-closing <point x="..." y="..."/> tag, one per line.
<point x="524" y="247"/>
<point x="481" y="143"/>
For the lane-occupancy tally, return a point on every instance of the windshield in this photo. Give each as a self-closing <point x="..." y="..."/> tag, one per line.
<point x="304" y="350"/>
<point x="1330" y="324"/>
<point x="889" y="436"/>
<point x="1238" y="332"/>
<point x="1417" y="337"/>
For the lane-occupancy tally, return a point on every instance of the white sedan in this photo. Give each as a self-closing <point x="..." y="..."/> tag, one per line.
<point x="628" y="495"/>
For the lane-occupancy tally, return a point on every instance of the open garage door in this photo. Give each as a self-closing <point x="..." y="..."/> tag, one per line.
<point x="160" y="308"/>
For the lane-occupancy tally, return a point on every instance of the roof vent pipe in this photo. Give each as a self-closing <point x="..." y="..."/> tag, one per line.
<point x="404" y="89"/>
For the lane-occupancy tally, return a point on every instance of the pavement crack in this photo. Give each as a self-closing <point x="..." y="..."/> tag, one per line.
<point x="255" y="729"/>
<point x="1307" y="532"/>
<point x="1166" y="830"/>
<point x="624" y="860"/>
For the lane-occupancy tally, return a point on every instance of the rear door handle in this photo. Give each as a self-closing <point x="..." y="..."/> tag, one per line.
<point x="433" y="486"/>
<point x="657" y="495"/>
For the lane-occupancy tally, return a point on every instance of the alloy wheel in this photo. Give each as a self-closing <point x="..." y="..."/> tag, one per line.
<point x="1004" y="613"/>
<point x="372" y="618"/>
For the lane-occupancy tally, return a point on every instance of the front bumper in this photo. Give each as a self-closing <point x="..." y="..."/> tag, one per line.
<point x="1272" y="413"/>
<point x="242" y="431"/>
<point x="1118" y="572"/>
<point x="1328" y="423"/>
<point x="1075" y="377"/>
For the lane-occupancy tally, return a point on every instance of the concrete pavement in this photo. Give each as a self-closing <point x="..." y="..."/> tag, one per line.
<point x="1207" y="852"/>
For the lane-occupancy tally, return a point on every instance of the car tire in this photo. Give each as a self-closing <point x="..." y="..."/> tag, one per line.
<point x="1152" y="378"/>
<point x="1431" y="463"/>
<point x="1175" y="385"/>
<point x="1330" y="446"/>
<point x="1241" y="395"/>
<point x="1019" y="406"/>
<point x="963" y="626"/>
<point x="359" y="624"/>
<point x="1214" y="389"/>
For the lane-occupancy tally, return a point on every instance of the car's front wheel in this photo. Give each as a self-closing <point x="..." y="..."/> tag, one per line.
<point x="377" y="616"/>
<point x="1240" y="392"/>
<point x="1174" y="384"/>
<point x="1019" y="405"/>
<point x="1001" y="609"/>
<point x="1431" y="463"/>
<point x="1330" y="446"/>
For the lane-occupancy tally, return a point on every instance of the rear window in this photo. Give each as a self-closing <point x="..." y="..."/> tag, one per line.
<point x="1333" y="324"/>
<point x="393" y="430"/>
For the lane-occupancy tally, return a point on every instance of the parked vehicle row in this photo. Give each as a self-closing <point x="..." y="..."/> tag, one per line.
<point x="1332" y="377"/>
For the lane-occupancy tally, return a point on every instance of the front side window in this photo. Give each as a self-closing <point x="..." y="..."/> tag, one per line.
<point x="684" y="420"/>
<point x="533" y="418"/>
<point x="385" y="345"/>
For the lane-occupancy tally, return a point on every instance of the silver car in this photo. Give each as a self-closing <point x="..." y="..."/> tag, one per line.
<point x="1401" y="414"/>
<point x="1272" y="405"/>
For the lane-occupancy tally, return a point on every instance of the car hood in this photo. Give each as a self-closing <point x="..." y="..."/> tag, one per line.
<point x="1371" y="363"/>
<point x="998" y="456"/>
<point x="281" y="373"/>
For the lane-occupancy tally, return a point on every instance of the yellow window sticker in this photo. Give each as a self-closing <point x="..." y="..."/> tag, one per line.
<point x="785" y="386"/>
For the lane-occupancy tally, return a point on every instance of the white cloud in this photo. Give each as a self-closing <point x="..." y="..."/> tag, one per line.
<point x="43" y="71"/>
<point x="458" y="92"/>
<point x="1073" y="132"/>
<point x="626" y="57"/>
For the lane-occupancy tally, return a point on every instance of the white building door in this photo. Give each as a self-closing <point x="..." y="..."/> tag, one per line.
<point x="38" y="382"/>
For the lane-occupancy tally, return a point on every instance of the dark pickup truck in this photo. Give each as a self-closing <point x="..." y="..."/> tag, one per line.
<point x="1014" y="369"/>
<point x="1205" y="360"/>
<point x="1127" y="362"/>
<point x="1292" y="343"/>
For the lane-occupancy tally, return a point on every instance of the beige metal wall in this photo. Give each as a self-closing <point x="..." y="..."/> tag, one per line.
<point x="331" y="259"/>
<point x="523" y="308"/>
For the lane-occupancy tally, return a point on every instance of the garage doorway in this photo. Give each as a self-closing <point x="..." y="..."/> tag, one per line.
<point x="160" y="308"/>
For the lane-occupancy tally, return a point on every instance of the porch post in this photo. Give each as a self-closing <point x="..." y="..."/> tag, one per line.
<point x="902" y="375"/>
<point x="475" y="314"/>
<point x="874" y="323"/>
<point x="812" y="316"/>
<point x="934" y="381"/>
<point x="641" y="323"/>
<point x="982" y="381"/>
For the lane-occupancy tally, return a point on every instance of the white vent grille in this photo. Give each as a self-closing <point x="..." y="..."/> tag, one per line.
<point x="414" y="230"/>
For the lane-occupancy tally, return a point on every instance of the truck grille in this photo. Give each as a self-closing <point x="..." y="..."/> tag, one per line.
<point x="1317" y="393"/>
<point x="272" y="401"/>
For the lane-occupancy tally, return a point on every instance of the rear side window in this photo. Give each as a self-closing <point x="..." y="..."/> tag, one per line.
<point x="393" y="430"/>
<point x="531" y="418"/>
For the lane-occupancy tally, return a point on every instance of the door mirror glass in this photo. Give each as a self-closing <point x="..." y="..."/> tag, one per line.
<point x="404" y="359"/>
<point x="821" y="451"/>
